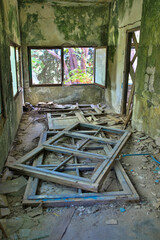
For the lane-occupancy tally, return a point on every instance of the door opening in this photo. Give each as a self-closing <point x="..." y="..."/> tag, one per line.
<point x="133" y="37"/>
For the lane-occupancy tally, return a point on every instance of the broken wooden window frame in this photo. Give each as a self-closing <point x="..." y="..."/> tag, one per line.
<point x="16" y="76"/>
<point x="62" y="65"/>
<point x="2" y="106"/>
<point x="70" y="111"/>
<point x="32" y="198"/>
<point x="77" y="114"/>
<point x="101" y="67"/>
<point x="30" y="48"/>
<point x="98" y="176"/>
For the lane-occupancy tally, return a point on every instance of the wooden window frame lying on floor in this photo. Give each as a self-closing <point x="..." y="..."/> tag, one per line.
<point x="98" y="176"/>
<point x="32" y="199"/>
<point x="78" y="107"/>
<point x="54" y="123"/>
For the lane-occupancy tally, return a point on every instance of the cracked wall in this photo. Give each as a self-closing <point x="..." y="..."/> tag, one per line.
<point x="146" y="112"/>
<point x="46" y="23"/>
<point x="124" y="15"/>
<point x="12" y="108"/>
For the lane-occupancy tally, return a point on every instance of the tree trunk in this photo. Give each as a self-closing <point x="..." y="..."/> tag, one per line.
<point x="84" y="58"/>
<point x="72" y="59"/>
<point x="58" y="57"/>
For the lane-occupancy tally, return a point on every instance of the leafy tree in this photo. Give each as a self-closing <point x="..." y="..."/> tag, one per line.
<point x="78" y="65"/>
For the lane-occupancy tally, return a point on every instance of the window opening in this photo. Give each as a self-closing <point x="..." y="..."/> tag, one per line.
<point x="78" y="65"/>
<point x="67" y="65"/>
<point x="46" y="66"/>
<point x="13" y="70"/>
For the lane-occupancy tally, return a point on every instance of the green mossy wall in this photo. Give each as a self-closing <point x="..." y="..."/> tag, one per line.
<point x="12" y="108"/>
<point x="44" y="23"/>
<point x="124" y="15"/>
<point x="146" y="115"/>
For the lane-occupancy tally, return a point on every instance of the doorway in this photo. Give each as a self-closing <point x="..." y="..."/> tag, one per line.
<point x="133" y="37"/>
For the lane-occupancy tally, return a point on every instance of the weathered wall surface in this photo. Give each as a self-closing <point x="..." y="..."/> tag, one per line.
<point x="146" y="114"/>
<point x="9" y="31"/>
<point x="124" y="15"/>
<point x="45" y="23"/>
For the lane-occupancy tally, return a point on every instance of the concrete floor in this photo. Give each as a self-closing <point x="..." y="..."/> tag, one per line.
<point x="133" y="224"/>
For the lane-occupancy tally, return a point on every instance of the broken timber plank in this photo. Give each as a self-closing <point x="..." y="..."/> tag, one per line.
<point x="96" y="108"/>
<point x="56" y="177"/>
<point x="105" y="167"/>
<point x="80" y="116"/>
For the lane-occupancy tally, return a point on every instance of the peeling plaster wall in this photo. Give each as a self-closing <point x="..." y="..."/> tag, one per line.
<point x="46" y="23"/>
<point x="12" y="108"/>
<point x="146" y="114"/>
<point x="124" y="15"/>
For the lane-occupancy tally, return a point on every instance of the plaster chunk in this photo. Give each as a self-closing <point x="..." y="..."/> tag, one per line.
<point x="158" y="141"/>
<point x="149" y="79"/>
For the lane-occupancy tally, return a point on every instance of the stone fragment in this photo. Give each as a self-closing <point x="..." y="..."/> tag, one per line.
<point x="35" y="211"/>
<point x="156" y="205"/>
<point x="144" y="159"/>
<point x="158" y="141"/>
<point x="154" y="194"/>
<point x="144" y="168"/>
<point x="11" y="226"/>
<point x="24" y="233"/>
<point x="7" y="175"/>
<point x="111" y="222"/>
<point x="143" y="185"/>
<point x="127" y="164"/>
<point x="4" y="212"/>
<point x="11" y="159"/>
<point x="156" y="151"/>
<point x="3" y="201"/>
<point x="137" y="207"/>
<point x="14" y="187"/>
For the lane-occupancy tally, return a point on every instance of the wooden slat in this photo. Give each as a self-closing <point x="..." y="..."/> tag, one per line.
<point x="68" y="168"/>
<point x="74" y="152"/>
<point x="50" y="123"/>
<point x="130" y="100"/>
<point x="32" y="183"/>
<point x="96" y="108"/>
<point x="80" y="116"/>
<point x="77" y="169"/>
<point x="132" y="73"/>
<point x="30" y="155"/>
<point x="105" y="167"/>
<point x="78" y="148"/>
<point x="128" y="119"/>
<point x="56" y="177"/>
<point x="97" y="139"/>
<point x="134" y="58"/>
<point x="105" y="129"/>
<point x="135" y="42"/>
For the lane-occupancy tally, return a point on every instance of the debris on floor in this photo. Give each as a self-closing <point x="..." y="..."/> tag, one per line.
<point x="3" y="201"/>
<point x="112" y="222"/>
<point x="14" y="187"/>
<point x="75" y="155"/>
<point x="4" y="212"/>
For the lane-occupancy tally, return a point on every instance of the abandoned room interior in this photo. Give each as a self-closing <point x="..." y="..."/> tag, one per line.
<point x="80" y="119"/>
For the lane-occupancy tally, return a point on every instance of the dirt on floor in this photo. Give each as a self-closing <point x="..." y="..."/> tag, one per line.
<point x="114" y="220"/>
